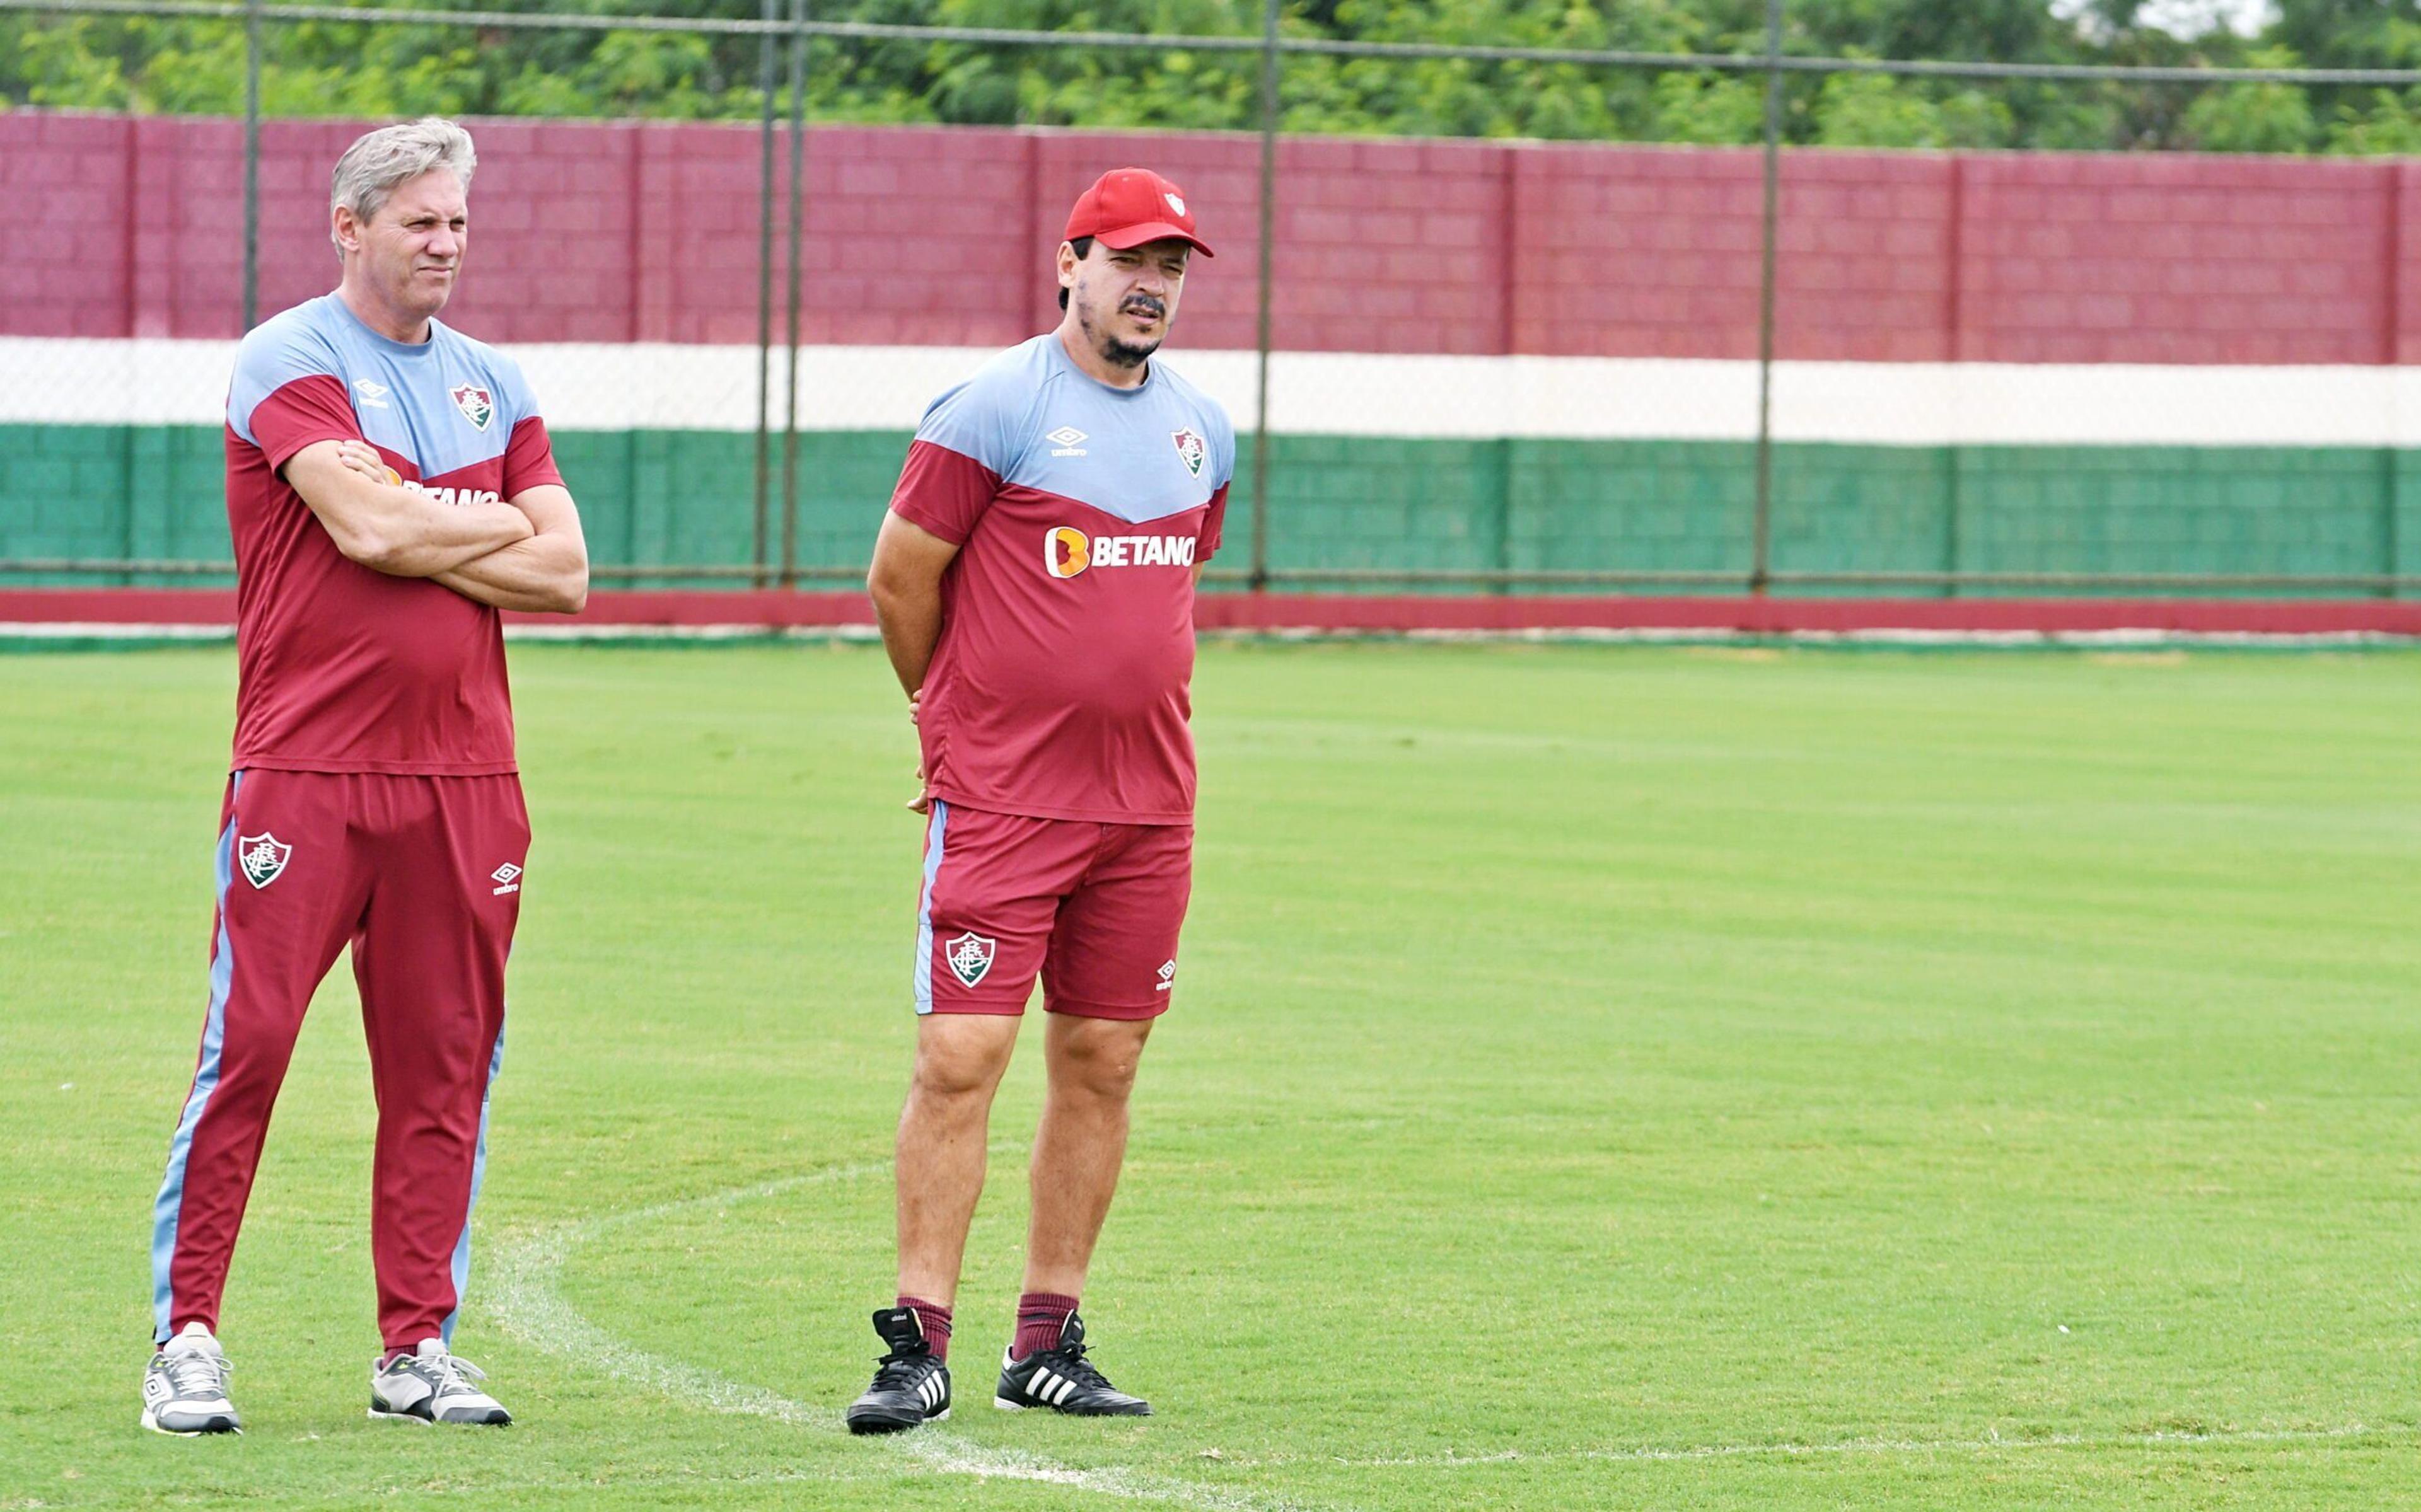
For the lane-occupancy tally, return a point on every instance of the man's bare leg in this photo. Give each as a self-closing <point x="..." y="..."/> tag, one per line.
<point x="939" y="1173"/>
<point x="940" y="1160"/>
<point x="1077" y="1153"/>
<point x="1080" y="1145"/>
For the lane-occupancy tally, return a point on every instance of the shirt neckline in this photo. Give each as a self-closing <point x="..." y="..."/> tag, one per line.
<point x="1059" y="354"/>
<point x="383" y="341"/>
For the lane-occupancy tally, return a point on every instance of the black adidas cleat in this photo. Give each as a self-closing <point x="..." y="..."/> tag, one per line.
<point x="1064" y="1381"/>
<point x="910" y="1385"/>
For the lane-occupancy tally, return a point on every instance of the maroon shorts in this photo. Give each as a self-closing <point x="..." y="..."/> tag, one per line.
<point x="1095" y="908"/>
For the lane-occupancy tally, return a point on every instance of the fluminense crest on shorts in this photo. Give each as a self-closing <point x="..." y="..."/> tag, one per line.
<point x="475" y="403"/>
<point x="263" y="857"/>
<point x="1191" y="450"/>
<point x="970" y="956"/>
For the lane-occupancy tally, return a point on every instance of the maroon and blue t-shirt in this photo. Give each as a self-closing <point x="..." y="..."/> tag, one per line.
<point x="342" y="668"/>
<point x="1059" y="688"/>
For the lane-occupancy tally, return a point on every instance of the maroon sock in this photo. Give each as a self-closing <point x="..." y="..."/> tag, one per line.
<point x="936" y="1320"/>
<point x="1040" y="1316"/>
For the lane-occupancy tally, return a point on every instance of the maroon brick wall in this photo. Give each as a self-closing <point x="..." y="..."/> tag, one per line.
<point x="629" y="231"/>
<point x="2179" y="260"/>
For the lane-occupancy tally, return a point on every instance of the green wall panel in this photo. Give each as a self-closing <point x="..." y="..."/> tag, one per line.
<point x="117" y="492"/>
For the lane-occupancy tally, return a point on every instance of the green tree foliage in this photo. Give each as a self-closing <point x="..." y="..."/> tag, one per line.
<point x="2253" y="118"/>
<point x="1710" y="109"/>
<point x="2390" y="125"/>
<point x="196" y="66"/>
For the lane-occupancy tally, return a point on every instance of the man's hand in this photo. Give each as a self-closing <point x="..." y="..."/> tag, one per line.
<point x="364" y="458"/>
<point x="923" y="801"/>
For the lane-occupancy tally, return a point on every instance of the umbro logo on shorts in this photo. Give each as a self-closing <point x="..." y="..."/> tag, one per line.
<point x="1167" y="975"/>
<point x="971" y="956"/>
<point x="263" y="857"/>
<point x="507" y="877"/>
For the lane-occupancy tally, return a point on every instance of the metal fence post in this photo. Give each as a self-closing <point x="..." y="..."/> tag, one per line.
<point x="1760" y="569"/>
<point x="251" y="164"/>
<point x="768" y="13"/>
<point x="1260" y="577"/>
<point x="790" y="577"/>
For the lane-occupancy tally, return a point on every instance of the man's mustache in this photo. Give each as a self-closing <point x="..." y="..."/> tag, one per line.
<point x="1145" y="303"/>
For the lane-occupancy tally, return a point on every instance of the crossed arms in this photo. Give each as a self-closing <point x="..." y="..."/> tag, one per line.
<point x="524" y="554"/>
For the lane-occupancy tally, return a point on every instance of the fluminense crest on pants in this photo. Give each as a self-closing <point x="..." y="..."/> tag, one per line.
<point x="263" y="857"/>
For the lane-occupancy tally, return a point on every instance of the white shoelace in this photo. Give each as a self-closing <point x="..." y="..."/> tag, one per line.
<point x="197" y="1375"/>
<point x="451" y="1373"/>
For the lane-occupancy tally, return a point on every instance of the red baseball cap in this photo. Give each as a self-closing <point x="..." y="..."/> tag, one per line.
<point x="1129" y="207"/>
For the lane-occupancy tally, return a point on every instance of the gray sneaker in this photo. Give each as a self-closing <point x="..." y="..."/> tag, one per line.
<point x="433" y="1386"/>
<point x="184" y="1388"/>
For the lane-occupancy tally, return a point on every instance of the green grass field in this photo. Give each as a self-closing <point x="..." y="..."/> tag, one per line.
<point x="1601" y="1078"/>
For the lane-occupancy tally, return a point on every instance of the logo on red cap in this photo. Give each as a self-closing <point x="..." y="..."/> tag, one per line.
<point x="1128" y="207"/>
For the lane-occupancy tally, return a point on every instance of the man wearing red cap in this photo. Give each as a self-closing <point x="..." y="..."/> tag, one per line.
<point x="1034" y="579"/>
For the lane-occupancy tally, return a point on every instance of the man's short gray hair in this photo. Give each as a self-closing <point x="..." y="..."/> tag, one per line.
<point x="378" y="161"/>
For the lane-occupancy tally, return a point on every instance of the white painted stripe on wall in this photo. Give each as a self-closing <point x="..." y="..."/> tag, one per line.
<point x="660" y="387"/>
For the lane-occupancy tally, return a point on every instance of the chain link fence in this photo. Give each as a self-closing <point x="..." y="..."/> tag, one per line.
<point x="1467" y="365"/>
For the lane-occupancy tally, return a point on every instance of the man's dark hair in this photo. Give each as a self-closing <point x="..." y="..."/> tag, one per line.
<point x="1084" y="245"/>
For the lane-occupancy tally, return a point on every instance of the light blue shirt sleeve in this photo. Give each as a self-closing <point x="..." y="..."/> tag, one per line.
<point x="984" y="419"/>
<point x="273" y="355"/>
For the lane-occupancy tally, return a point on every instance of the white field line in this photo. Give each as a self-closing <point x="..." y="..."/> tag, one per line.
<point x="1652" y="1455"/>
<point x="522" y="1289"/>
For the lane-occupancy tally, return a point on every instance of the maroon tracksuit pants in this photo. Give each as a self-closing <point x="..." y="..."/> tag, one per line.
<point x="421" y="876"/>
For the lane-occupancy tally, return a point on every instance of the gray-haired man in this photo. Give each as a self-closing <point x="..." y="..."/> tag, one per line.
<point x="390" y="488"/>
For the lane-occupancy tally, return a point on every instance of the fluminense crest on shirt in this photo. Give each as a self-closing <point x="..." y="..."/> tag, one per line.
<point x="1192" y="450"/>
<point x="263" y="857"/>
<point x="971" y="956"/>
<point x="477" y="404"/>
